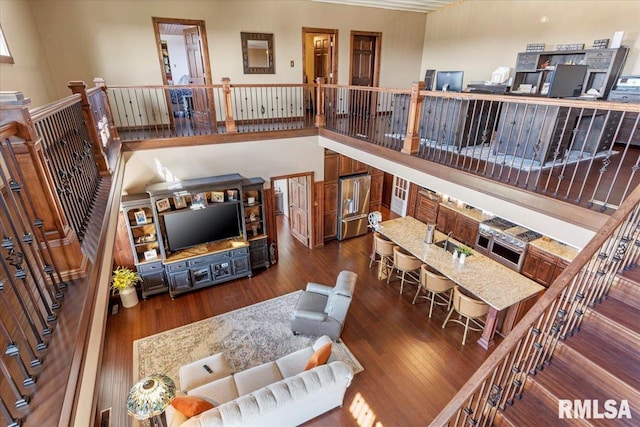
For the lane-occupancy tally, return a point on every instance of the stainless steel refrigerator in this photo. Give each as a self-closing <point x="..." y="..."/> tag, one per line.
<point x="353" y="206"/>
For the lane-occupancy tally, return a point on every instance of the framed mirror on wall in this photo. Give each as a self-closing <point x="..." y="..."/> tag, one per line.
<point x="257" y="53"/>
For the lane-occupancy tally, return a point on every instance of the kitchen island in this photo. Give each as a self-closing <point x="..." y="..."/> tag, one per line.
<point x="500" y="287"/>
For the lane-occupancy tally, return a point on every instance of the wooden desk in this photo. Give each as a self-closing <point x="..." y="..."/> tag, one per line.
<point x="500" y="287"/>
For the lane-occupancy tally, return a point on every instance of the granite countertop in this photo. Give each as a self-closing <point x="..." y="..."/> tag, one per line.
<point x="556" y="248"/>
<point x="473" y="213"/>
<point x="495" y="284"/>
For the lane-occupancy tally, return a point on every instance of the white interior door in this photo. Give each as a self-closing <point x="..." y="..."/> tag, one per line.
<point x="399" y="196"/>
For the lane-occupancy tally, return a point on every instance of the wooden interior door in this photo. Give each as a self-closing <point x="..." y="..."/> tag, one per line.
<point x="201" y="109"/>
<point x="364" y="51"/>
<point x="299" y="209"/>
<point x="322" y="57"/>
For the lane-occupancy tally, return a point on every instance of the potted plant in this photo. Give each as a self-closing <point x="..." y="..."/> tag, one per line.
<point x="124" y="282"/>
<point x="464" y="252"/>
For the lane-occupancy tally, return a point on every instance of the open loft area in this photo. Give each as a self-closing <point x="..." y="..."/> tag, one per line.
<point x="525" y="151"/>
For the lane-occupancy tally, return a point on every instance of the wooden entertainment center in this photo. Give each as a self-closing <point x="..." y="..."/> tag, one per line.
<point x="192" y="234"/>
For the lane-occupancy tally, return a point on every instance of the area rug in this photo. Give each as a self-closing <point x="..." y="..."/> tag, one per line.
<point x="248" y="337"/>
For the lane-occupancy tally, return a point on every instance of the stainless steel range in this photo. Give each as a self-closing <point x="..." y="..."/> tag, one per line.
<point x="504" y="241"/>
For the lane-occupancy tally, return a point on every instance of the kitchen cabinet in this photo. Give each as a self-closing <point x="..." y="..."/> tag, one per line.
<point x="446" y="219"/>
<point x="331" y="176"/>
<point x="349" y="166"/>
<point x="465" y="230"/>
<point x="542" y="267"/>
<point x="427" y="205"/>
<point x="560" y="266"/>
<point x="375" y="194"/>
<point x="331" y="166"/>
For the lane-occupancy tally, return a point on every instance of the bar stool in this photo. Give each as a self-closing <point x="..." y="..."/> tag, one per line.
<point x="437" y="287"/>
<point x="407" y="264"/>
<point x="384" y="249"/>
<point x="470" y="308"/>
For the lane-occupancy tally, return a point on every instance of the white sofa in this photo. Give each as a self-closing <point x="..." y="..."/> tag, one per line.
<point x="279" y="393"/>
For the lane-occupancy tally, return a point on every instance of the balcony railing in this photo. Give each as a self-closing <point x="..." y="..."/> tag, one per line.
<point x="157" y="112"/>
<point x="583" y="152"/>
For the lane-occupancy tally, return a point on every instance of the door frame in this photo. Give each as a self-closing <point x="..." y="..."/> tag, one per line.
<point x="310" y="198"/>
<point x="334" y="58"/>
<point x="376" y="60"/>
<point x="204" y="52"/>
<point x="204" y="49"/>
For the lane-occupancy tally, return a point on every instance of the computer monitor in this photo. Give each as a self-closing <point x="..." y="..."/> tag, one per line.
<point x="429" y="77"/>
<point x="567" y="81"/>
<point x="449" y="81"/>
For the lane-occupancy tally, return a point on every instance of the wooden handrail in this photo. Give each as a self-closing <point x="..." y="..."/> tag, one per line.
<point x="43" y="111"/>
<point x="504" y="350"/>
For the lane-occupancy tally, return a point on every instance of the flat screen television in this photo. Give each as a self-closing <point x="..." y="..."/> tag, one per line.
<point x="450" y="81"/>
<point x="186" y="228"/>
<point x="567" y="81"/>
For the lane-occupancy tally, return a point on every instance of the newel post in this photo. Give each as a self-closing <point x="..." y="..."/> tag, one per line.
<point x="320" y="118"/>
<point x="25" y="163"/>
<point x="230" y="122"/>
<point x="412" y="138"/>
<point x="113" y="130"/>
<point x="92" y="127"/>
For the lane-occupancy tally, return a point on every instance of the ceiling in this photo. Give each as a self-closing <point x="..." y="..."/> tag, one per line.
<point x="172" y="29"/>
<point x="422" y="6"/>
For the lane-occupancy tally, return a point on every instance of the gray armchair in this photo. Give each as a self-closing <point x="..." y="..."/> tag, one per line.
<point x="322" y="309"/>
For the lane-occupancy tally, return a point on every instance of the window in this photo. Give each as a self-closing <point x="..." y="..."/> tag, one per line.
<point x="5" y="55"/>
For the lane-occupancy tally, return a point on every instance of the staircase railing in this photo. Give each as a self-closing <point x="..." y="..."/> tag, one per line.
<point x="68" y="151"/>
<point x="558" y="314"/>
<point x="51" y="166"/>
<point x="583" y="152"/>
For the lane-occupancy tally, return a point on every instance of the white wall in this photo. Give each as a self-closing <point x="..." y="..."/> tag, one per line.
<point x="30" y="74"/>
<point x="114" y="38"/>
<point x="249" y="159"/>
<point x="478" y="36"/>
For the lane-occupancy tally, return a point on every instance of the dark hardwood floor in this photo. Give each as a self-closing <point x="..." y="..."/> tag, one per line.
<point x="412" y="367"/>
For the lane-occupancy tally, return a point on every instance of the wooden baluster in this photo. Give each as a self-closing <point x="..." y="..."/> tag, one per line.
<point x="230" y="123"/>
<point x="412" y="138"/>
<point x="11" y="422"/>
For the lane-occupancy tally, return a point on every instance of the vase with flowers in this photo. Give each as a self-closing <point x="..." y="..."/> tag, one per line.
<point x="123" y="281"/>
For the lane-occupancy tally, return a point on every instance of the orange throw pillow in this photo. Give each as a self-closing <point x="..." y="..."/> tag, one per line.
<point x="190" y="405"/>
<point x="320" y="357"/>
